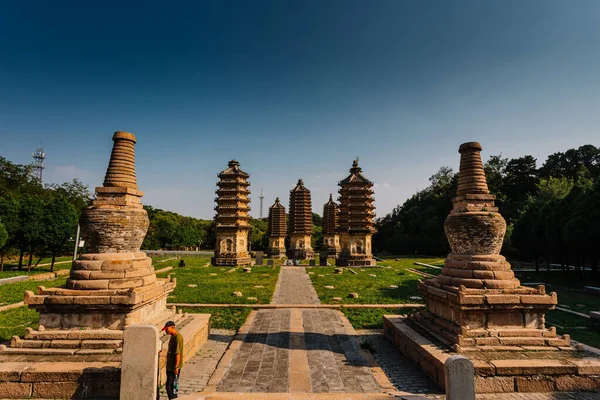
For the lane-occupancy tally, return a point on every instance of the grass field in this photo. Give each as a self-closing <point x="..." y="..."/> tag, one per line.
<point x="14" y="292"/>
<point x="371" y="289"/>
<point x="13" y="322"/>
<point x="215" y="285"/>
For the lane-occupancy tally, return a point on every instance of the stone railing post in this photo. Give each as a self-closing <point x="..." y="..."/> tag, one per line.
<point x="460" y="378"/>
<point x="139" y="368"/>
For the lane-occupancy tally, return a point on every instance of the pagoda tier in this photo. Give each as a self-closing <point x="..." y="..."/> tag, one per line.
<point x="331" y="238"/>
<point x="356" y="219"/>
<point x="231" y="221"/>
<point x="277" y="230"/>
<point x="300" y="223"/>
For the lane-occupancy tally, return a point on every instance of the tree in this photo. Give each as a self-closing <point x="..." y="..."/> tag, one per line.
<point x="29" y="237"/>
<point x="75" y="192"/>
<point x="3" y="234"/>
<point x="60" y="220"/>
<point x="9" y="213"/>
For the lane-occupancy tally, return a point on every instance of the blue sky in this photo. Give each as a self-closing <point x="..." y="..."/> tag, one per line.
<point x="294" y="89"/>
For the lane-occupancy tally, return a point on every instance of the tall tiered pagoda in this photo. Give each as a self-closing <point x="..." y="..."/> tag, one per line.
<point x="232" y="217"/>
<point x="356" y="219"/>
<point x="331" y="238"/>
<point x="300" y="223"/>
<point x="277" y="230"/>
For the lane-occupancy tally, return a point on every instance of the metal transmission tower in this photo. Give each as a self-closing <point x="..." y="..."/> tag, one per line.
<point x="261" y="203"/>
<point x="38" y="165"/>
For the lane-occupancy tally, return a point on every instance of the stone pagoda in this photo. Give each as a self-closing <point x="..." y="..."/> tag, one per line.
<point x="232" y="217"/>
<point x="476" y="300"/>
<point x="109" y="288"/>
<point x="277" y="230"/>
<point x="300" y="223"/>
<point x="356" y="225"/>
<point x="476" y="307"/>
<point x="331" y="238"/>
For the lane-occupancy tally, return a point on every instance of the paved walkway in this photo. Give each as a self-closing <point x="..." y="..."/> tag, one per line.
<point x="318" y="344"/>
<point x="294" y="287"/>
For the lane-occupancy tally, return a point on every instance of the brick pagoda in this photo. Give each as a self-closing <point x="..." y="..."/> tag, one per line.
<point x="109" y="288"/>
<point x="232" y="217"/>
<point x="356" y="219"/>
<point x="478" y="308"/>
<point x="300" y="223"/>
<point x="331" y="239"/>
<point x="277" y="230"/>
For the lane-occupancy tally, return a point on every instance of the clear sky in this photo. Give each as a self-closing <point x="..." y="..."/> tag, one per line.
<point x="294" y="89"/>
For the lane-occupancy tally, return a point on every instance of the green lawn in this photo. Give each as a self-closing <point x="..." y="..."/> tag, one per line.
<point x="219" y="288"/>
<point x="371" y="289"/>
<point x="11" y="270"/>
<point x="372" y="318"/>
<point x="14" y="292"/>
<point x="13" y="322"/>
<point x="223" y="318"/>
<point x="580" y="329"/>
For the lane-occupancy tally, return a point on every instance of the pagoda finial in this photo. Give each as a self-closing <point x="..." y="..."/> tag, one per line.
<point x="355" y="168"/>
<point x="330" y="196"/>
<point x="121" y="168"/>
<point x="471" y="175"/>
<point x="300" y="182"/>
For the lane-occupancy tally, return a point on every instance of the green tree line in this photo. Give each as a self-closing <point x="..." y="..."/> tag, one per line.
<point x="37" y="220"/>
<point x="552" y="211"/>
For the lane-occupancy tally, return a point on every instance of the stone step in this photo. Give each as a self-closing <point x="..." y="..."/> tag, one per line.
<point x="66" y="344"/>
<point x="288" y="396"/>
<point x="74" y="334"/>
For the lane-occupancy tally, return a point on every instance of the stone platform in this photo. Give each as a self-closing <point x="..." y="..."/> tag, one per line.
<point x="89" y="373"/>
<point x="500" y="369"/>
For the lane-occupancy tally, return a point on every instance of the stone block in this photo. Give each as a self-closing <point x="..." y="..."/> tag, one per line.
<point x="540" y="299"/>
<point x="520" y="333"/>
<point x="460" y="378"/>
<point x="15" y="390"/>
<point x="139" y="368"/>
<point x="106" y="274"/>
<point x="505" y="319"/>
<point x="483" y="368"/>
<point x="534" y="384"/>
<point x="88" y="284"/>
<point x="125" y="283"/>
<point x="502" y="299"/>
<point x="487" y="341"/>
<point x="11" y="371"/>
<point x="522" y="341"/>
<point x="571" y="383"/>
<point x="69" y="371"/>
<point x="101" y="344"/>
<point x="534" y="367"/>
<point x="59" y="300"/>
<point x="587" y="366"/>
<point x="117" y="265"/>
<point x="58" y="390"/>
<point x="494" y="384"/>
<point x="134" y="273"/>
<point x="65" y="344"/>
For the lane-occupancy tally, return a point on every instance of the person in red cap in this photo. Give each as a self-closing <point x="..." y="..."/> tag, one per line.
<point x="174" y="358"/>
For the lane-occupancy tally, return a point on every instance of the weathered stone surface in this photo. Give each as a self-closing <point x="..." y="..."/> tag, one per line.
<point x="139" y="369"/>
<point x="536" y="366"/>
<point x="534" y="384"/>
<point x="15" y="390"/>
<point x="58" y="390"/>
<point x="494" y="384"/>
<point x="460" y="378"/>
<point x="573" y="383"/>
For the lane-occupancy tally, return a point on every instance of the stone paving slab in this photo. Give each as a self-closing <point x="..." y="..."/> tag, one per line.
<point x="294" y="287"/>
<point x="198" y="370"/>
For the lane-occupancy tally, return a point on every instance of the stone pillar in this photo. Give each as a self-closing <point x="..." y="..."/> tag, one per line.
<point x="139" y="368"/>
<point x="460" y="378"/>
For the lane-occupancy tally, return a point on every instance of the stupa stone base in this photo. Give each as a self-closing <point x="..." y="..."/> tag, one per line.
<point x="464" y="317"/>
<point x="347" y="259"/>
<point x="228" y="260"/>
<point x="90" y="373"/>
<point x="300" y="254"/>
<point x="501" y="369"/>
<point x="333" y="252"/>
